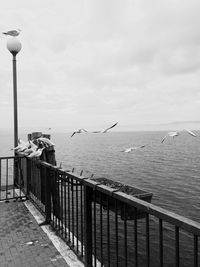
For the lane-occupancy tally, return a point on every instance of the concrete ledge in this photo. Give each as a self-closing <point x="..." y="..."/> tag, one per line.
<point x="68" y="255"/>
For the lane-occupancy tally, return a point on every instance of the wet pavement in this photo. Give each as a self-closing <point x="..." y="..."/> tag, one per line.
<point x="23" y="243"/>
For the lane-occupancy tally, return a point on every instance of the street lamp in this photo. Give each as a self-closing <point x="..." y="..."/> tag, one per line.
<point x="14" y="46"/>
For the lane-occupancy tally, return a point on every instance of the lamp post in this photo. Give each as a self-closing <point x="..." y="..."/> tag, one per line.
<point x="14" y="46"/>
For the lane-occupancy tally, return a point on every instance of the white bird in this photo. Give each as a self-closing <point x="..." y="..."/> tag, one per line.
<point x="177" y="133"/>
<point x="13" y="32"/>
<point x="32" y="147"/>
<point x="106" y="130"/>
<point x="36" y="153"/>
<point x="79" y="131"/>
<point x="21" y="146"/>
<point x="128" y="150"/>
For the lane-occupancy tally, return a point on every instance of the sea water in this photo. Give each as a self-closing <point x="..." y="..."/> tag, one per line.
<point x="170" y="170"/>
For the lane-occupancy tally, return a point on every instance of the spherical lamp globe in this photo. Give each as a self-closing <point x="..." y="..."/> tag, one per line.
<point x="14" y="45"/>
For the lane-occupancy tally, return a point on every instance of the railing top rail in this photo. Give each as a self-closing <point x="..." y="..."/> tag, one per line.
<point x="161" y="213"/>
<point x="9" y="157"/>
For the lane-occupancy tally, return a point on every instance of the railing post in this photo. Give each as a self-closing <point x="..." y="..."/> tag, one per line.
<point x="47" y="195"/>
<point x="88" y="225"/>
<point x="28" y="177"/>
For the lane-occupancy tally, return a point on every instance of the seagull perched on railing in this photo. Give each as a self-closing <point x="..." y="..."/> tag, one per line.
<point x="177" y="133"/>
<point x="32" y="147"/>
<point x="21" y="146"/>
<point x="128" y="150"/>
<point x="13" y="32"/>
<point x="36" y="153"/>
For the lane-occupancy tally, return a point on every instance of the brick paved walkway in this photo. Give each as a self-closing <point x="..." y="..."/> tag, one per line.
<point x="22" y="241"/>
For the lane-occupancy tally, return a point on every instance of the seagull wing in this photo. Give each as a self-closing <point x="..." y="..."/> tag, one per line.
<point x="164" y="138"/>
<point x="83" y="130"/>
<point x="191" y="133"/>
<point x="96" y="132"/>
<point x="110" y="127"/>
<point x="73" y="134"/>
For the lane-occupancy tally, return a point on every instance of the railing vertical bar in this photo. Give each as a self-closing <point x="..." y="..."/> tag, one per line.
<point x="65" y="207"/>
<point x="136" y="238"/>
<point x="59" y="201"/>
<point x="19" y="175"/>
<point x="95" y="228"/>
<point x="147" y="240"/>
<point x="116" y="233"/>
<point x="77" y="230"/>
<point x="177" y="245"/>
<point x="88" y="225"/>
<point x="108" y="230"/>
<point x="72" y="189"/>
<point x="13" y="187"/>
<point x="6" y="179"/>
<point x="195" y="251"/>
<point x="47" y="183"/>
<point x="101" y="230"/>
<point x="81" y="198"/>
<point x="62" y="219"/>
<point x="53" y="178"/>
<point x="161" y="242"/>
<point x="56" y="203"/>
<point x="125" y="236"/>
<point x="1" y="177"/>
<point x="69" y="211"/>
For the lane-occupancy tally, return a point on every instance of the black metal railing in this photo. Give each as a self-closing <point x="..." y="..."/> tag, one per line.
<point x="104" y="226"/>
<point x="11" y="178"/>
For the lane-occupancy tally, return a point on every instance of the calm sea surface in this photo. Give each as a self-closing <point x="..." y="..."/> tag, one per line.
<point x="171" y="170"/>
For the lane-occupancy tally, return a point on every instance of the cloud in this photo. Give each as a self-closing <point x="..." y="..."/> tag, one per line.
<point x="104" y="59"/>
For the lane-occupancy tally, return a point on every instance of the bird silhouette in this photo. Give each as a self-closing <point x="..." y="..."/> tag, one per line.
<point x="79" y="131"/>
<point x="13" y="32"/>
<point x="128" y="150"/>
<point x="32" y="148"/>
<point x="177" y="133"/>
<point x="106" y="130"/>
<point x="21" y="146"/>
<point x="36" y="153"/>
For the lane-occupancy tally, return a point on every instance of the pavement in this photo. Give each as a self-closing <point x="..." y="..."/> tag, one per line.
<point x="23" y="242"/>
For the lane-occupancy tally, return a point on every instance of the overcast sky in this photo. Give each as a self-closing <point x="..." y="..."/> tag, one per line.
<point x="91" y="63"/>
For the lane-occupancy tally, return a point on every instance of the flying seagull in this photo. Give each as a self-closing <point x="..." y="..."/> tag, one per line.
<point x="128" y="150"/>
<point x="79" y="131"/>
<point x="106" y="130"/>
<point x="177" y="133"/>
<point x="13" y="32"/>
